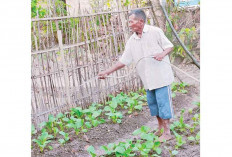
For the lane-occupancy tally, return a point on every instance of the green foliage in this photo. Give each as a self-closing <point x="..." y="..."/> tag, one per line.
<point x="178" y="87"/>
<point x="92" y="115"/>
<point x="50" y="124"/>
<point x="180" y="126"/>
<point x="43" y="140"/>
<point x="33" y="130"/>
<point x="37" y="9"/>
<point x="65" y="139"/>
<point x="195" y="139"/>
<point x="91" y="151"/>
<point x="76" y="124"/>
<point x="179" y="141"/>
<point x="113" y="114"/>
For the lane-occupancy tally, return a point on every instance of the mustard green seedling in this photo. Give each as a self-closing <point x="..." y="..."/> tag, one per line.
<point x="66" y="137"/>
<point x="43" y="140"/>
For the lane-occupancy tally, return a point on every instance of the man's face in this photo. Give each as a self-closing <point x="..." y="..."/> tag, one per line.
<point x="135" y="24"/>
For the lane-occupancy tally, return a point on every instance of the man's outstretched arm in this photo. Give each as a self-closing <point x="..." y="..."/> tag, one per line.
<point x="103" y="74"/>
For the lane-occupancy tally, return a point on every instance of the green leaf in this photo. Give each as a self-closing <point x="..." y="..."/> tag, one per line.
<point x="148" y="137"/>
<point x="113" y="104"/>
<point x="149" y="144"/>
<point x="174" y="152"/>
<point x="79" y="123"/>
<point x="91" y="149"/>
<point x="107" y="108"/>
<point x="33" y="130"/>
<point x="191" y="138"/>
<point x="41" y="125"/>
<point x="62" y="141"/>
<point x="198" y="136"/>
<point x="50" y="147"/>
<point x="88" y="125"/>
<point x="59" y="115"/>
<point x="119" y="121"/>
<point x="158" y="150"/>
<point x="138" y="107"/>
<point x="145" y="129"/>
<point x="136" y="132"/>
<point x="62" y="133"/>
<point x="120" y="149"/>
<point x="95" y="123"/>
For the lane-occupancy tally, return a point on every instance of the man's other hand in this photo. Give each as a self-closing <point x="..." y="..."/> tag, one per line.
<point x="159" y="56"/>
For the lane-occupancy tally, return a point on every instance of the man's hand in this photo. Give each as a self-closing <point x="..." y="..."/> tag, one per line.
<point x="102" y="75"/>
<point x="159" y="56"/>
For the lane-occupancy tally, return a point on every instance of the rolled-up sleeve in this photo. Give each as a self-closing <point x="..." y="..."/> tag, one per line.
<point x="126" y="57"/>
<point x="163" y="40"/>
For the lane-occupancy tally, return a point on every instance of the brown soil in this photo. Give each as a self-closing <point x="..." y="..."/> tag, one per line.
<point x="113" y="133"/>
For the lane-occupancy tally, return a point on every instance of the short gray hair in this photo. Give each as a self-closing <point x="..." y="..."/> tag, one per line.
<point x="139" y="13"/>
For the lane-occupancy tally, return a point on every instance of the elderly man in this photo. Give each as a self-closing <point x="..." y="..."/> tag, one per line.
<point x="155" y="74"/>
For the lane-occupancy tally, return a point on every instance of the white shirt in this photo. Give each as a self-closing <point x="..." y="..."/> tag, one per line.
<point x="154" y="74"/>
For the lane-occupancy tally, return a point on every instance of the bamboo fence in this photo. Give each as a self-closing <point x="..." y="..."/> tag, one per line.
<point x="69" y="51"/>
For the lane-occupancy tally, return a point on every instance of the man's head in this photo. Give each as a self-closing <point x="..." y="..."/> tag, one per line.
<point x="137" y="19"/>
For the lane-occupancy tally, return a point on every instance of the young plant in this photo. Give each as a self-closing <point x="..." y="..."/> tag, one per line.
<point x="121" y="149"/>
<point x="50" y="124"/>
<point x="92" y="115"/>
<point x="77" y="125"/>
<point x="151" y="141"/>
<point x="180" y="125"/>
<point x="43" y="140"/>
<point x="113" y="113"/>
<point x="179" y="141"/>
<point x="33" y="130"/>
<point x="195" y="139"/>
<point x="109" y="149"/>
<point x="66" y="137"/>
<point x="171" y="152"/>
<point x="77" y="112"/>
<point x="91" y="151"/>
<point x="133" y="103"/>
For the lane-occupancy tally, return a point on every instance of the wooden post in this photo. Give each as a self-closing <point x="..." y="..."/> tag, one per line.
<point x="59" y="34"/>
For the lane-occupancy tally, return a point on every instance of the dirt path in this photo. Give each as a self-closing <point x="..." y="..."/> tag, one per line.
<point x="114" y="133"/>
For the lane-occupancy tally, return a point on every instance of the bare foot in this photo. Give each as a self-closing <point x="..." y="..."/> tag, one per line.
<point x="165" y="137"/>
<point x="158" y="133"/>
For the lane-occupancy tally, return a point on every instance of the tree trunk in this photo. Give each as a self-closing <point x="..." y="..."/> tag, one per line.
<point x="161" y="21"/>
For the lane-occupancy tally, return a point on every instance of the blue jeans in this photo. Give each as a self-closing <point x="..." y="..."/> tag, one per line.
<point x="160" y="102"/>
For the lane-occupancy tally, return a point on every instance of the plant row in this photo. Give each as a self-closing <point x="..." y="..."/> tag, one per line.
<point x="81" y="120"/>
<point x="148" y="144"/>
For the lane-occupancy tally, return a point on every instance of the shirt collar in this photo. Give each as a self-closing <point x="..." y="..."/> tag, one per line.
<point x="145" y="29"/>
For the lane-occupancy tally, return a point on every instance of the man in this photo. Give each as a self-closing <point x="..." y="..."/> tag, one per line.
<point x="155" y="74"/>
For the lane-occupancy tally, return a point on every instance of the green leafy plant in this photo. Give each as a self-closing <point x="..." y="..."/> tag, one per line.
<point x="196" y="122"/>
<point x="151" y="142"/>
<point x="113" y="113"/>
<point x="92" y="115"/>
<point x="33" y="130"/>
<point x="43" y="140"/>
<point x="91" y="151"/>
<point x="77" y="112"/>
<point x="50" y="124"/>
<point x="77" y="125"/>
<point x="133" y="103"/>
<point x="180" y="125"/>
<point x="195" y="139"/>
<point x="179" y="141"/>
<point x="66" y="137"/>
<point x="120" y="149"/>
<point x="178" y="87"/>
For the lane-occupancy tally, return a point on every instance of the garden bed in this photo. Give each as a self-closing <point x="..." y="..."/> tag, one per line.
<point x="110" y="132"/>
